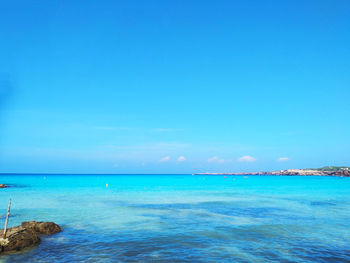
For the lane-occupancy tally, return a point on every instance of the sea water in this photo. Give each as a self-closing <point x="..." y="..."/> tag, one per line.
<point x="182" y="218"/>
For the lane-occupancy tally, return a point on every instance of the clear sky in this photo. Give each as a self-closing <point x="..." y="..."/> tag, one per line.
<point x="174" y="86"/>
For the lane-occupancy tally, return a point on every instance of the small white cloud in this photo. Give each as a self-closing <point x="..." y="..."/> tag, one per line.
<point x="283" y="159"/>
<point x="165" y="159"/>
<point x="215" y="159"/>
<point x="246" y="158"/>
<point x="181" y="159"/>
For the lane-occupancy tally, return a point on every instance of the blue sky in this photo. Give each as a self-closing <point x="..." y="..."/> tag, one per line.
<point x="173" y="86"/>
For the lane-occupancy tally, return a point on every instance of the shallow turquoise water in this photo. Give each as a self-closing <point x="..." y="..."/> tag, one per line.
<point x="183" y="218"/>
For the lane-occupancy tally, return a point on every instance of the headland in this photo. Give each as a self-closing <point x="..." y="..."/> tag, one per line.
<point x="342" y="171"/>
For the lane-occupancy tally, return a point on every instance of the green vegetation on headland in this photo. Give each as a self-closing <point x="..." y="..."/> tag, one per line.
<point x="330" y="168"/>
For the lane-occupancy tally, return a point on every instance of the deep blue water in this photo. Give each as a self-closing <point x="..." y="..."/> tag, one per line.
<point x="183" y="218"/>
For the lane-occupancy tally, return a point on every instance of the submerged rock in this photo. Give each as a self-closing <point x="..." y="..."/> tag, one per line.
<point x="28" y="234"/>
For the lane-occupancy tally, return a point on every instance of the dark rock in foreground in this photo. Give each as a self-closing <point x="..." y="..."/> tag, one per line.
<point x="28" y="234"/>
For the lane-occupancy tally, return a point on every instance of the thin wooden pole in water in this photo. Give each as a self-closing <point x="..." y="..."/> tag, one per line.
<point x="7" y="220"/>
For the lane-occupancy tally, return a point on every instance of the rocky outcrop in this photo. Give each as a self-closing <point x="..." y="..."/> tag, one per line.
<point x="343" y="173"/>
<point x="27" y="235"/>
<point x="42" y="228"/>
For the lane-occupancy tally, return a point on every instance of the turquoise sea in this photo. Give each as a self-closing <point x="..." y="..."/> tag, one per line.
<point x="183" y="218"/>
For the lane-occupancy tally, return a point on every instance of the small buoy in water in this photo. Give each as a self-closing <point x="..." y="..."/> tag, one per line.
<point x="106" y="185"/>
<point x="224" y="176"/>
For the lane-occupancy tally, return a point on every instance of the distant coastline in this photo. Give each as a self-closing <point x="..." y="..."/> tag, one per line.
<point x="324" y="171"/>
